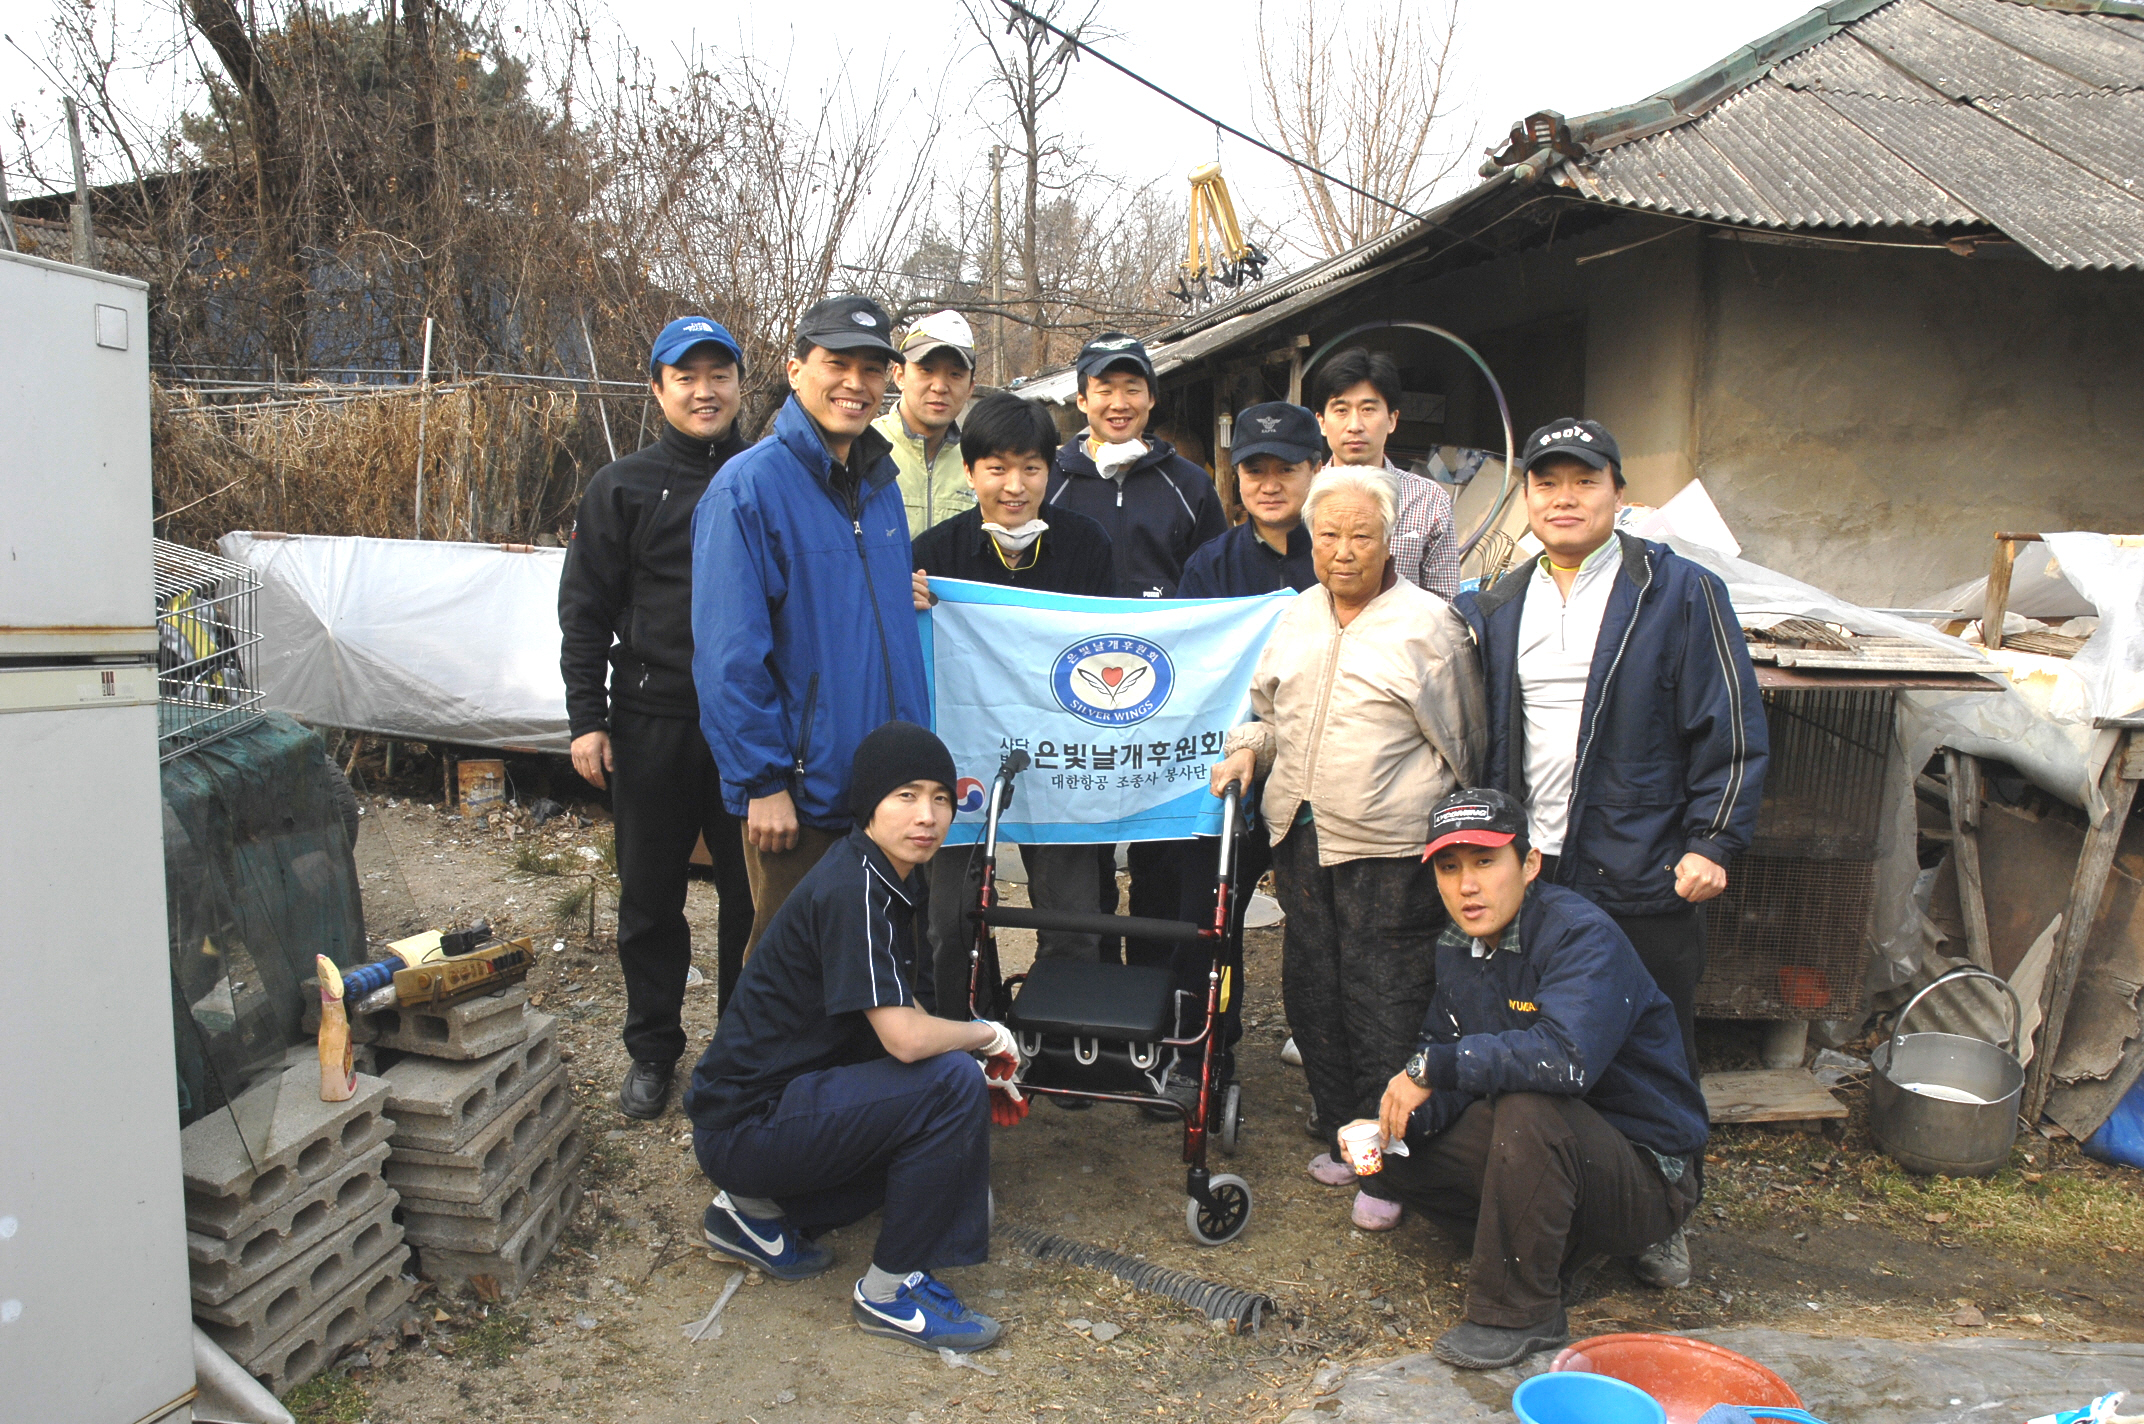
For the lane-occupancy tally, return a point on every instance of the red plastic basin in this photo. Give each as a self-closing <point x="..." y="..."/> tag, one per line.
<point x="1687" y="1376"/>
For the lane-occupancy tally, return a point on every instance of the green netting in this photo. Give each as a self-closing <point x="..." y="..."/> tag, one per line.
<point x="259" y="877"/>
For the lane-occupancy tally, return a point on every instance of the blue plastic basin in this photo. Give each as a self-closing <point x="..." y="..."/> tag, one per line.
<point x="1573" y="1398"/>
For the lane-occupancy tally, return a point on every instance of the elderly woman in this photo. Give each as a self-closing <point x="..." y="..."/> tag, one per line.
<point x="1369" y="706"/>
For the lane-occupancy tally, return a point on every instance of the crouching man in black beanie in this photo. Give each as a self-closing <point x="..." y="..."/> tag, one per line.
<point x="830" y="1091"/>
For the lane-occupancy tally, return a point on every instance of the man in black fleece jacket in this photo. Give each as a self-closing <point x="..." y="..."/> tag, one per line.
<point x="1548" y="1112"/>
<point x="625" y="609"/>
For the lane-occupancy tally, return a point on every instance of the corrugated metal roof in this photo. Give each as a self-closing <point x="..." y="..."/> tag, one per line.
<point x="1916" y="113"/>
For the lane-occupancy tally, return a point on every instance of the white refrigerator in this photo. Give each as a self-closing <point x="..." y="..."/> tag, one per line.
<point x="94" y="1314"/>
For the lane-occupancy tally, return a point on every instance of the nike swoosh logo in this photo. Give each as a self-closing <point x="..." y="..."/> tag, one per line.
<point x="772" y="1248"/>
<point x="913" y="1325"/>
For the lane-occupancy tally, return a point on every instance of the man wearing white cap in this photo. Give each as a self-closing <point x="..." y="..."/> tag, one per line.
<point x="936" y="376"/>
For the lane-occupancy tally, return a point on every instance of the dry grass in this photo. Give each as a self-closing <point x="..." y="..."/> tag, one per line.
<point x="502" y="464"/>
<point x="2050" y="1203"/>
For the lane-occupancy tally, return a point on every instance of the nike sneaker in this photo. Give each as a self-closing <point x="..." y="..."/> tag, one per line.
<point x="926" y="1314"/>
<point x="767" y="1244"/>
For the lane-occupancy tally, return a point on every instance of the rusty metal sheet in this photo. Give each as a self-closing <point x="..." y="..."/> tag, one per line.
<point x="2065" y="215"/>
<point x="1810" y="164"/>
<point x="2103" y="133"/>
<point x="2101" y="56"/>
<point x="1957" y="59"/>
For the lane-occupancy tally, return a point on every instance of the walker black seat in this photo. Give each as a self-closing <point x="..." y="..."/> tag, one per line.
<point x="1136" y="1003"/>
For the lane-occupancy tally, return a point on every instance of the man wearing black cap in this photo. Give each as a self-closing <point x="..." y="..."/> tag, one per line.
<point x="1624" y="711"/>
<point x="625" y="649"/>
<point x="1548" y="1117"/>
<point x="803" y="636"/>
<point x="833" y="1092"/>
<point x="1157" y="508"/>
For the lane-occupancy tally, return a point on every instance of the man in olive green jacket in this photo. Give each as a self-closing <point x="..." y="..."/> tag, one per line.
<point x="936" y="374"/>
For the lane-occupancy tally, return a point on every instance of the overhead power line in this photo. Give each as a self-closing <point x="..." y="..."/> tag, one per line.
<point x="1020" y="11"/>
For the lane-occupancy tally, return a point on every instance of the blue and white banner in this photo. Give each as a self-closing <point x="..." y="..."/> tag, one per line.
<point x="1122" y="705"/>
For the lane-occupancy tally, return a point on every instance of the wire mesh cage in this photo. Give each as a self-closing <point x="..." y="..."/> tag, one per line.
<point x="206" y="660"/>
<point x="1823" y="789"/>
<point x="1788" y="940"/>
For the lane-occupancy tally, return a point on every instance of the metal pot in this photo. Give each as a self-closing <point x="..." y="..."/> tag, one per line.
<point x="1926" y="1132"/>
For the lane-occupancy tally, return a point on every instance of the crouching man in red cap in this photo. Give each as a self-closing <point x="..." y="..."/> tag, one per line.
<point x="1549" y="1115"/>
<point x="830" y="1092"/>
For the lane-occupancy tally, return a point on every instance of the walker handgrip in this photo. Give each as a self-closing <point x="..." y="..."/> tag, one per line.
<point x="1018" y="917"/>
<point x="1965" y="971"/>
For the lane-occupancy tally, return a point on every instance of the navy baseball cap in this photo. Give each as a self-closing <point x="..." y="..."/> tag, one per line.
<point x="1476" y="816"/>
<point x="1109" y="350"/>
<point x="687" y="332"/>
<point x="1585" y="440"/>
<point x="1277" y="428"/>
<point x="849" y="324"/>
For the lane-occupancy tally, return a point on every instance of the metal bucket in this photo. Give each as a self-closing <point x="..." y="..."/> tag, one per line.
<point x="1926" y="1132"/>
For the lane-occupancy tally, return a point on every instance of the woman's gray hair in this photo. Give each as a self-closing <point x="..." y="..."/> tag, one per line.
<point x="1371" y="482"/>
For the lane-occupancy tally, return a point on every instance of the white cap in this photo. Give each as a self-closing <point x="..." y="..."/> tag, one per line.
<point x="944" y="328"/>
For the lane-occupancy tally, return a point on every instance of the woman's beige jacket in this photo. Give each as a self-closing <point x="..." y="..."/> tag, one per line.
<point x="1372" y="723"/>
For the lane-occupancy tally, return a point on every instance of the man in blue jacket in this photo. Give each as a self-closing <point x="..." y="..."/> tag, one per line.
<point x="1624" y="713"/>
<point x="1548" y="1115"/>
<point x="803" y="634"/>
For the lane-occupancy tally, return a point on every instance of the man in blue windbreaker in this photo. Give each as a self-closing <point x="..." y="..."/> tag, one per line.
<point x="1625" y="715"/>
<point x="803" y="635"/>
<point x="1547" y="1113"/>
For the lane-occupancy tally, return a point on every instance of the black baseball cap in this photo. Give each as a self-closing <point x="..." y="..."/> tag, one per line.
<point x="1277" y="428"/>
<point x="1477" y="816"/>
<point x="1586" y="440"/>
<point x="1109" y="350"/>
<point x="849" y="324"/>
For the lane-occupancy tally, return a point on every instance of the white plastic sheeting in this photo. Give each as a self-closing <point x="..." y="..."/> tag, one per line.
<point x="425" y="640"/>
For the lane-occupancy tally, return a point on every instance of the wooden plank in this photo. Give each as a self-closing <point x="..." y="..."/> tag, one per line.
<point x="1965" y="845"/>
<point x="2100" y="843"/>
<point x="1996" y="602"/>
<point x="1768" y="1095"/>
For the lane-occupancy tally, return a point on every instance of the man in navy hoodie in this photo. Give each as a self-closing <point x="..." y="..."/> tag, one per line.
<point x="1548" y="1113"/>
<point x="1624" y="713"/>
<point x="803" y="634"/>
<point x="1157" y="508"/>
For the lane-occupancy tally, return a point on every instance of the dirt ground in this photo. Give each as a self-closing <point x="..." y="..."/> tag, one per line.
<point x="1808" y="1233"/>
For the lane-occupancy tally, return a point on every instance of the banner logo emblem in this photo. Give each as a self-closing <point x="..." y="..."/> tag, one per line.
<point x="968" y="795"/>
<point x="1113" y="681"/>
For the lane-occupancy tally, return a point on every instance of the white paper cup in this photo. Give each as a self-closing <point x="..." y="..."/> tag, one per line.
<point x="1362" y="1143"/>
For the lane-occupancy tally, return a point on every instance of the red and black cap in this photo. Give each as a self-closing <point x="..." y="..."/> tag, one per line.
<point x="1475" y="815"/>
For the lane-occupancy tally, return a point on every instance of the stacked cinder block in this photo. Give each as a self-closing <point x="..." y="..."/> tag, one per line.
<point x="291" y="1237"/>
<point x="486" y="1148"/>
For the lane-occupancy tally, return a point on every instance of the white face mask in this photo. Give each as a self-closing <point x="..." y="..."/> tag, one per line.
<point x="1015" y="541"/>
<point x="1115" y="459"/>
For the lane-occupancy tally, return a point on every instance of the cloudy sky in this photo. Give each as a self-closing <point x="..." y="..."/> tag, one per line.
<point x="1572" y="55"/>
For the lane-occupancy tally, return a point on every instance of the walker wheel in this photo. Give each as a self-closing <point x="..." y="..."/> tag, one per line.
<point x="1231" y="1118"/>
<point x="1226" y="1218"/>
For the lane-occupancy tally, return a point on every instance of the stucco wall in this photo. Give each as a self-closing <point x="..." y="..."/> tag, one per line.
<point x="1867" y="420"/>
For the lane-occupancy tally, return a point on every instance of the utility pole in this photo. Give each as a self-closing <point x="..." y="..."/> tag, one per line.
<point x="997" y="265"/>
<point x="84" y="252"/>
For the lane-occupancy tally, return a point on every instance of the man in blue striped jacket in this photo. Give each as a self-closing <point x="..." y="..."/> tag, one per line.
<point x="1624" y="713"/>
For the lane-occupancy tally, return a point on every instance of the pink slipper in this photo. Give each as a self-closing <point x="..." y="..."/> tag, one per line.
<point x="1375" y="1213"/>
<point x="1333" y="1174"/>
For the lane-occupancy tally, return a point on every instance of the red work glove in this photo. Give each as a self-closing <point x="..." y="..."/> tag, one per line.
<point x="1001" y="1074"/>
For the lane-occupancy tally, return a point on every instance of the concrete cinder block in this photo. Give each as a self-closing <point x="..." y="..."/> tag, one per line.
<point x="487" y="1225"/>
<point x="472" y="1028"/>
<point x="438" y="1104"/>
<point x="515" y="1263"/>
<point x="290" y="1138"/>
<point x="475" y="1172"/>
<point x="221" y="1267"/>
<point x="276" y="1304"/>
<point x="362" y="1310"/>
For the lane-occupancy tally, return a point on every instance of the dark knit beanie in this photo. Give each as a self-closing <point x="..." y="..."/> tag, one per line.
<point x="891" y="757"/>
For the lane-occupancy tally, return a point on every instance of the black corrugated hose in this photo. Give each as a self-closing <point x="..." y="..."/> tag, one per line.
<point x="1242" y="1309"/>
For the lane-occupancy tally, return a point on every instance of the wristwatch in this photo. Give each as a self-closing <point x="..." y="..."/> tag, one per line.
<point x="1417" y="1069"/>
